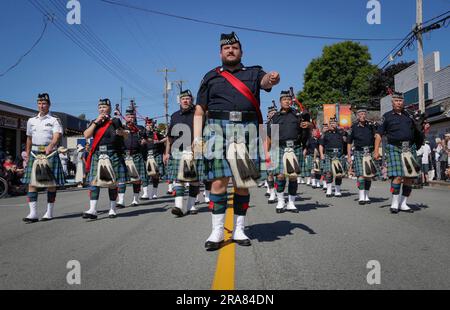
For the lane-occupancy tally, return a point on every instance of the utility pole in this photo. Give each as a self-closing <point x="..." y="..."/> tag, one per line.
<point x="420" y="69"/>
<point x="166" y="93"/>
<point x="180" y="85"/>
<point x="121" y="99"/>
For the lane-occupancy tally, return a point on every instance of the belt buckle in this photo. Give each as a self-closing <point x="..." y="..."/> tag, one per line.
<point x="405" y="146"/>
<point x="366" y="150"/>
<point x="236" y="116"/>
<point x="41" y="148"/>
<point x="150" y="152"/>
<point x="103" y="148"/>
<point x="290" y="143"/>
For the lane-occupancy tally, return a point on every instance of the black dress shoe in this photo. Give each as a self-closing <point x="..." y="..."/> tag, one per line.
<point x="134" y="205"/>
<point x="329" y="196"/>
<point x="177" y="211"/>
<point x="367" y="202"/>
<point x="361" y="202"/>
<point x="394" y="211"/>
<point x="89" y="216"/>
<point x="212" y="246"/>
<point x="112" y="216"/>
<point x="272" y="201"/>
<point x="245" y="242"/>
<point x="46" y="219"/>
<point x="278" y="210"/>
<point x="293" y="211"/>
<point x="266" y="195"/>
<point x="144" y="198"/>
<point x="193" y="212"/>
<point x="28" y="220"/>
<point x="120" y="206"/>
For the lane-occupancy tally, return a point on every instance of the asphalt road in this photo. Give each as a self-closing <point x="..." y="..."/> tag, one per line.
<point x="327" y="245"/>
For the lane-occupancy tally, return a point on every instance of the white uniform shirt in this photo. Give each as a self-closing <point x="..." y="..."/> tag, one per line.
<point x="425" y="151"/>
<point x="41" y="129"/>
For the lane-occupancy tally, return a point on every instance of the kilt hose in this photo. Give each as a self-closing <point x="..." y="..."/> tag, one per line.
<point x="55" y="166"/>
<point x="394" y="160"/>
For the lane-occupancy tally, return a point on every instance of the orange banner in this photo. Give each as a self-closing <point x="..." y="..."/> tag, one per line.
<point x="329" y="111"/>
<point x="345" y="116"/>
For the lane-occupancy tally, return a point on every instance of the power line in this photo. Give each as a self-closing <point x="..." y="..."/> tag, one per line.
<point x="244" y="28"/>
<point x="29" y="51"/>
<point x="88" y="48"/>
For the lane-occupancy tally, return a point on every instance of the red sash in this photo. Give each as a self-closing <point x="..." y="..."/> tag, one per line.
<point x="97" y="138"/>
<point x="243" y="89"/>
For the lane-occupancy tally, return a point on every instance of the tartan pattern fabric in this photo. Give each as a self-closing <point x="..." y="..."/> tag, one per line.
<point x="358" y="164"/>
<point x="118" y="164"/>
<point x="174" y="165"/>
<point x="278" y="160"/>
<point x="394" y="160"/>
<point x="327" y="161"/>
<point x="138" y="160"/>
<point x="214" y="167"/>
<point x="55" y="166"/>
<point x="309" y="159"/>
<point x="160" y="163"/>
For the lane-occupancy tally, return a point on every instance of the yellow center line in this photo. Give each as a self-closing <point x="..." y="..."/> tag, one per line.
<point x="224" y="276"/>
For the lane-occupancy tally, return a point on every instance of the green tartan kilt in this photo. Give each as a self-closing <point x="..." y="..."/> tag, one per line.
<point x="358" y="164"/>
<point x="394" y="160"/>
<point x="328" y="159"/>
<point x="159" y="163"/>
<point x="139" y="162"/>
<point x="278" y="160"/>
<point x="309" y="159"/>
<point x="55" y="166"/>
<point x="174" y="165"/>
<point x="216" y="165"/>
<point x="117" y="162"/>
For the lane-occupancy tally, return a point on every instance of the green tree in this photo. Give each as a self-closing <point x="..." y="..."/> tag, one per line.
<point x="341" y="74"/>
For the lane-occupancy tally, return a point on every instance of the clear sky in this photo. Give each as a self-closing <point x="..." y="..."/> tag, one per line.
<point x="146" y="42"/>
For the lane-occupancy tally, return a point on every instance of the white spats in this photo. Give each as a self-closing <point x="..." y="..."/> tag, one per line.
<point x="206" y="196"/>
<point x="155" y="192"/>
<point x="92" y="207"/>
<point x="170" y="187"/>
<point x="179" y="204"/>
<point x="313" y="183"/>
<point x="49" y="213"/>
<point x="403" y="205"/>
<point x="395" y="202"/>
<point x="325" y="185"/>
<point x="281" y="203"/>
<point x="337" y="191"/>
<point x="308" y="181"/>
<point x="239" y="226"/>
<point x="329" y="188"/>
<point x="145" y="192"/>
<point x="135" y="198"/>
<point x="291" y="203"/>
<point x="190" y="204"/>
<point x="33" y="210"/>
<point x="366" y="196"/>
<point x="272" y="196"/>
<point x="362" y="195"/>
<point x="121" y="198"/>
<point x="112" y="208"/>
<point x="217" y="234"/>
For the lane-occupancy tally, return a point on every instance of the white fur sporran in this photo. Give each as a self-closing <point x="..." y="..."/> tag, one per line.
<point x="187" y="170"/>
<point x="150" y="166"/>
<point x="337" y="169"/>
<point x="105" y="172"/>
<point x="411" y="168"/>
<point x="242" y="167"/>
<point x="131" y="168"/>
<point x="41" y="174"/>
<point x="291" y="166"/>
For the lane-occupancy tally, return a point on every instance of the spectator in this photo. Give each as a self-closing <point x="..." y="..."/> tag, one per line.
<point x="437" y="157"/>
<point x="80" y="173"/>
<point x="64" y="159"/>
<point x="424" y="152"/>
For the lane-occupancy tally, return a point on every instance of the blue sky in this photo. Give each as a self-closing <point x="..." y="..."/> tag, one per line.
<point x="146" y="42"/>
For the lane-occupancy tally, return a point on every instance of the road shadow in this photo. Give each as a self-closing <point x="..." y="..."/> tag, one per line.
<point x="137" y="211"/>
<point x="374" y="200"/>
<point x="154" y="201"/>
<point x="268" y="232"/>
<point x="311" y="206"/>
<point x="414" y="207"/>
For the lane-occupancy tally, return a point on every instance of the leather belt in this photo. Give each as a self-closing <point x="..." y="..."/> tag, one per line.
<point x="234" y="116"/>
